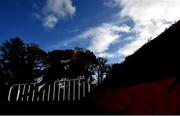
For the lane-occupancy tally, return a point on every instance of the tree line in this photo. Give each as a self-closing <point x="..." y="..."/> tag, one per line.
<point x="24" y="62"/>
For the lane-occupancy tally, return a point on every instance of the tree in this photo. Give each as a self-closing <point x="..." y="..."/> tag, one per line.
<point x="54" y="67"/>
<point x="21" y="62"/>
<point x="84" y="65"/>
<point x="99" y="67"/>
<point x="69" y="63"/>
<point x="36" y="60"/>
<point x="103" y="69"/>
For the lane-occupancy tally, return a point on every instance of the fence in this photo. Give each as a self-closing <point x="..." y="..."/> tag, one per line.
<point x="60" y="90"/>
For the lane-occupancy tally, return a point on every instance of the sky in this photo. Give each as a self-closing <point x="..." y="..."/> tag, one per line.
<point x="112" y="29"/>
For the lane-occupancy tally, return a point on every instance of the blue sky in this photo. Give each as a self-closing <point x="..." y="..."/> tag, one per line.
<point x="111" y="28"/>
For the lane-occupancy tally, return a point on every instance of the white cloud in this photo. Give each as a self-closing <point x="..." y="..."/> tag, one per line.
<point x="55" y="11"/>
<point x="151" y="17"/>
<point x="50" y="21"/>
<point x="101" y="37"/>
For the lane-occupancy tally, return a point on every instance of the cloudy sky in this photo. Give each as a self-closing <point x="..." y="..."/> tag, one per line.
<point x="111" y="28"/>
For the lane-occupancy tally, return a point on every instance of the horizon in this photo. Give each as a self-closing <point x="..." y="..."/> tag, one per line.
<point x="112" y="29"/>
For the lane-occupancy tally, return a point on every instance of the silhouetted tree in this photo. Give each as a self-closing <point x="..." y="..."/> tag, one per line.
<point x="84" y="59"/>
<point x="21" y="62"/>
<point x="68" y="64"/>
<point x="102" y="69"/>
<point x="54" y="67"/>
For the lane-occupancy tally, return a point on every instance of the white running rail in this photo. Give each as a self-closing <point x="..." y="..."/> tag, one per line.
<point x="60" y="90"/>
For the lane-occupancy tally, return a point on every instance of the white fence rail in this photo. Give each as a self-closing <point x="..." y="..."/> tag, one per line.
<point x="60" y="90"/>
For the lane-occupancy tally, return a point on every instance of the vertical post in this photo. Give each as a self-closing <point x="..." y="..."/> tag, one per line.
<point x="74" y="89"/>
<point x="9" y="96"/>
<point x="49" y="90"/>
<point x="37" y="98"/>
<point x="54" y="89"/>
<point x="69" y="90"/>
<point x="59" y="90"/>
<point x="19" y="87"/>
<point x="64" y="91"/>
<point x="24" y="87"/>
<point x="89" y="86"/>
<point x="33" y="92"/>
<point x="28" y="92"/>
<point x="84" y="88"/>
<point x="43" y="94"/>
<point x="79" y="92"/>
